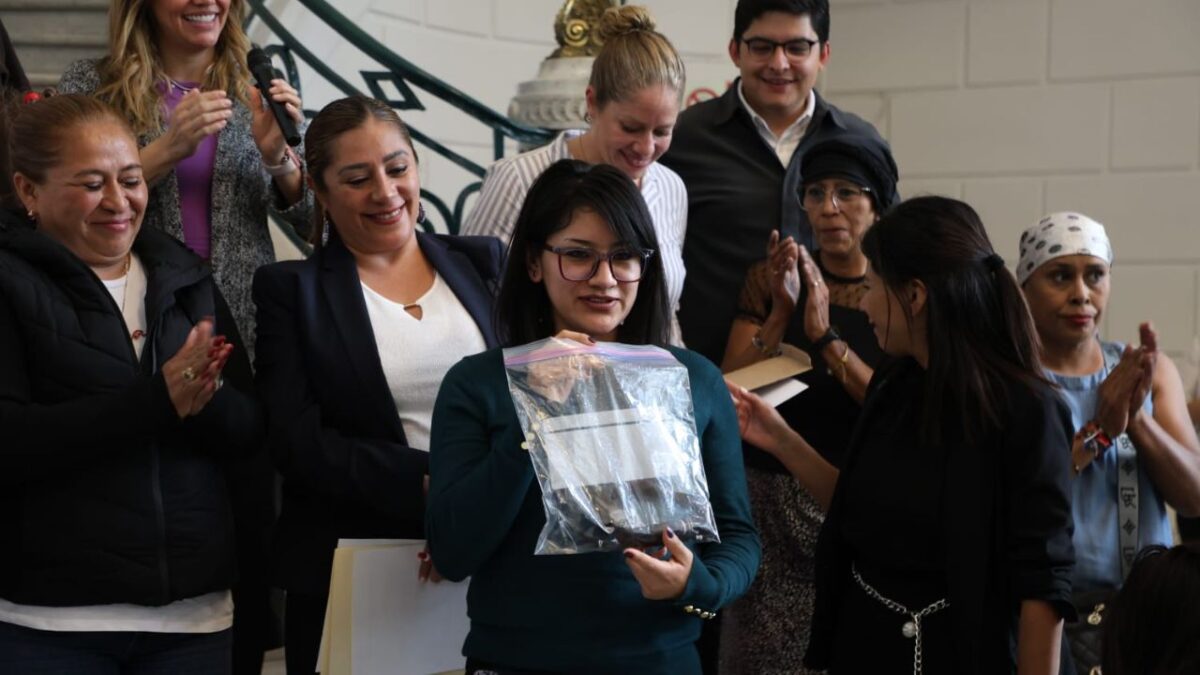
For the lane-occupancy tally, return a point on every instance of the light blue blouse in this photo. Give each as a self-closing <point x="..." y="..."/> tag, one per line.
<point x="1094" y="491"/>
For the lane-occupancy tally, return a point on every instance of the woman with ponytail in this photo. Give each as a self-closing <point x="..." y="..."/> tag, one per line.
<point x="633" y="98"/>
<point x="947" y="543"/>
<point x="352" y="346"/>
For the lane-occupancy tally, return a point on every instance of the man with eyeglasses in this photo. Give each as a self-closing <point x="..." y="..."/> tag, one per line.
<point x="739" y="156"/>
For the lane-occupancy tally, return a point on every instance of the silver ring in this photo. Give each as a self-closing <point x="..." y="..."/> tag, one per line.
<point x="188" y="374"/>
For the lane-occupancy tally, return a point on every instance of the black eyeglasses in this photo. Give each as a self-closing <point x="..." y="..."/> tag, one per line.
<point x="577" y="263"/>
<point x="796" y="50"/>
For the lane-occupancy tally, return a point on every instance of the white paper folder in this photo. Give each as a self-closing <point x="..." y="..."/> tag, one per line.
<point x="381" y="619"/>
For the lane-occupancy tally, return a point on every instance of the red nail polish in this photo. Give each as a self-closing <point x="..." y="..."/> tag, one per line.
<point x="628" y="554"/>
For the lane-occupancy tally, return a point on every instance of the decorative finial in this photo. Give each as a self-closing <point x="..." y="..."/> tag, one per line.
<point x="574" y="27"/>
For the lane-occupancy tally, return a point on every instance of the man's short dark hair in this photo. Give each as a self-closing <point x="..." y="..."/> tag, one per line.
<point x="749" y="10"/>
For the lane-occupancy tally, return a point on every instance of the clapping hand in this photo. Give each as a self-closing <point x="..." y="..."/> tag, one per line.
<point x="1147" y="362"/>
<point x="193" y="374"/>
<point x="816" y="306"/>
<point x="1123" y="392"/>
<point x="785" y="278"/>
<point x="198" y="115"/>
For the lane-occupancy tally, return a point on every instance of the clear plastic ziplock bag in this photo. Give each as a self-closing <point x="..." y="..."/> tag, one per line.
<point x="612" y="434"/>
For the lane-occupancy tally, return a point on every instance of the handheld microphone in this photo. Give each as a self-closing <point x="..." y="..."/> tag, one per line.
<point x="262" y="70"/>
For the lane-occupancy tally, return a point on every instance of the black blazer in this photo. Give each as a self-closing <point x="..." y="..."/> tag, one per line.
<point x="332" y="424"/>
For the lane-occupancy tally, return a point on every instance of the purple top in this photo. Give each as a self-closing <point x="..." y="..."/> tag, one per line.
<point x="195" y="175"/>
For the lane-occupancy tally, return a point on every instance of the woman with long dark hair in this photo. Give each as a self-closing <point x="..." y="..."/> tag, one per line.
<point x="948" y="534"/>
<point x="582" y="264"/>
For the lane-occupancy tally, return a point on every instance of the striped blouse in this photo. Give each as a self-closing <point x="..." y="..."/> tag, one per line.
<point x="507" y="181"/>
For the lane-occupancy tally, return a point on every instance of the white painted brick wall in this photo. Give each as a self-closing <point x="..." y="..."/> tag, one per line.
<point x="1006" y="42"/>
<point x="873" y="47"/>
<point x="1018" y="106"/>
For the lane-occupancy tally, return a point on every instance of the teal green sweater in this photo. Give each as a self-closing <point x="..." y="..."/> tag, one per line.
<point x="578" y="613"/>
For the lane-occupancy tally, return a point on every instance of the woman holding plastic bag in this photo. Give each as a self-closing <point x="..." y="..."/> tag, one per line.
<point x="582" y="267"/>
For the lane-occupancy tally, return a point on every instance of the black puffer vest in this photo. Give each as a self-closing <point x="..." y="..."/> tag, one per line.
<point x="105" y="495"/>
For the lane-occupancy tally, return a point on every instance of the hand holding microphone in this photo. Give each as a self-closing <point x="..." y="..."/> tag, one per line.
<point x="276" y="112"/>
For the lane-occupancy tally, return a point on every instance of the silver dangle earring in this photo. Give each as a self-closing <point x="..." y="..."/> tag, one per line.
<point x="421" y="213"/>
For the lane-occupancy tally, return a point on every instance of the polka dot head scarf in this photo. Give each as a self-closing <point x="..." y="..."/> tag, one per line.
<point x="1058" y="235"/>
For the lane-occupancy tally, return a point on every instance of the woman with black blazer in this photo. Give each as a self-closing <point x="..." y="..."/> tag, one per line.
<point x="352" y="347"/>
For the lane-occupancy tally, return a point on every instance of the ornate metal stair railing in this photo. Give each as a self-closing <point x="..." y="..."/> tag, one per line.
<point x="400" y="73"/>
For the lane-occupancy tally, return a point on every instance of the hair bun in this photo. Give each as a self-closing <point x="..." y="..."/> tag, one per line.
<point x="618" y="21"/>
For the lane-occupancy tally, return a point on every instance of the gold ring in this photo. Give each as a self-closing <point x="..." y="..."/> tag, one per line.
<point x="189" y="374"/>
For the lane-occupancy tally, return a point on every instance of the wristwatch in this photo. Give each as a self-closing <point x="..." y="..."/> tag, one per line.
<point x="822" y="342"/>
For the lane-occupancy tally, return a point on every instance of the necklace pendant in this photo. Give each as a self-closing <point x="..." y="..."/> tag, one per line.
<point x="909" y="630"/>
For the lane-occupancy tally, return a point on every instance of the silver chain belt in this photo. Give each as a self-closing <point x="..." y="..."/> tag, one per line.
<point x="910" y="629"/>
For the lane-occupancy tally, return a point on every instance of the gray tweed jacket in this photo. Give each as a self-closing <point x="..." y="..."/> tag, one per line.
<point x="242" y="193"/>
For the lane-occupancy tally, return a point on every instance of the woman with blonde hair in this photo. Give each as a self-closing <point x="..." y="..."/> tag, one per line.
<point x="633" y="99"/>
<point x="211" y="150"/>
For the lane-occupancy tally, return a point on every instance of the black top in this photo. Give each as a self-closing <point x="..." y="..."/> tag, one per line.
<point x="895" y="492"/>
<point x="897" y="489"/>
<point x="1005" y="520"/>
<point x="738" y="193"/>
